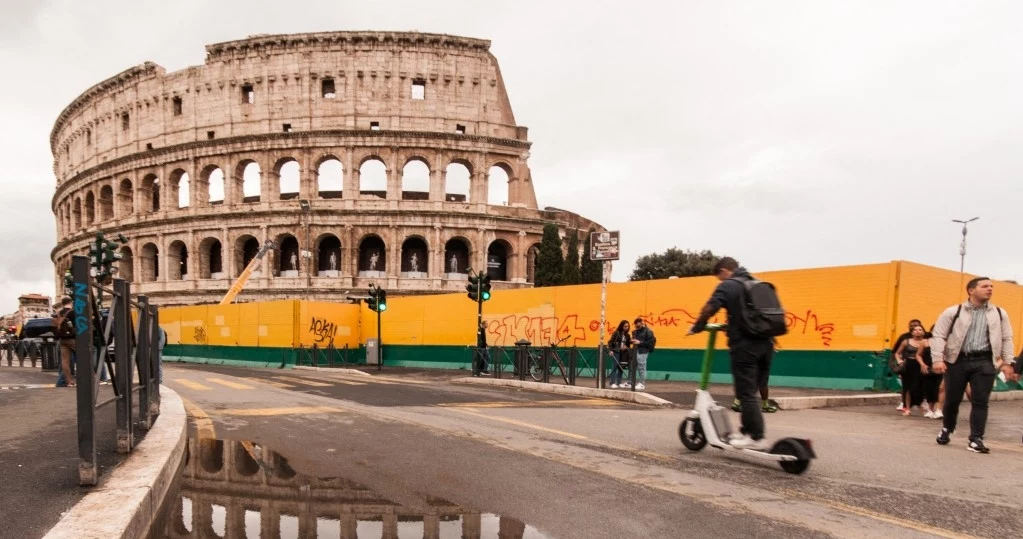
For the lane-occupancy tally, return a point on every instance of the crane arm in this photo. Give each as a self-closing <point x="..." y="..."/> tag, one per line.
<point x="242" y="279"/>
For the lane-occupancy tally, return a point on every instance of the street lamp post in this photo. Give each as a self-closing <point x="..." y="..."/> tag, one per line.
<point x="962" y="250"/>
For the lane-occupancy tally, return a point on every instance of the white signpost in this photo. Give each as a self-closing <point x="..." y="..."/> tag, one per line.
<point x="604" y="247"/>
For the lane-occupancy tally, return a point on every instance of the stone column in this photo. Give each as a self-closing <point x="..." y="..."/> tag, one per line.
<point x="521" y="249"/>
<point x="394" y="257"/>
<point x="471" y="526"/>
<point x="162" y="255"/>
<point x="306" y="176"/>
<point x="436" y="254"/>
<point x="349" y="253"/>
<point x="394" y="177"/>
<point x="264" y="264"/>
<point x="234" y="527"/>
<point x="351" y="177"/>
<point x="437" y="180"/>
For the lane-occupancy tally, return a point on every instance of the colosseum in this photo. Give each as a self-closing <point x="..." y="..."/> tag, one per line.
<point x="365" y="157"/>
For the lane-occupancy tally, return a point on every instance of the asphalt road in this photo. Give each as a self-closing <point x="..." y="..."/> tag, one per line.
<point x="589" y="468"/>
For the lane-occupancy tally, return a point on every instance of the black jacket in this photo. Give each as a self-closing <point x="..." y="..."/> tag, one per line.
<point x="618" y="340"/>
<point x="728" y="295"/>
<point x="646" y="339"/>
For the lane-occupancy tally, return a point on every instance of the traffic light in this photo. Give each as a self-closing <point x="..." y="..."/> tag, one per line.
<point x="371" y="302"/>
<point x="69" y="283"/>
<point x="377" y="301"/>
<point x="484" y="287"/>
<point x="473" y="288"/>
<point x="96" y="253"/>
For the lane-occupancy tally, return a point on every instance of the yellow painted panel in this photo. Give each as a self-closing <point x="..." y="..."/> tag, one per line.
<point x="170" y="321"/>
<point x="223" y="325"/>
<point x="193" y="324"/>
<point x="323" y="323"/>
<point x="248" y="324"/>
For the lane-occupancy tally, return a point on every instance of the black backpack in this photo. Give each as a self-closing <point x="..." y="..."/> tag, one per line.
<point x="762" y="314"/>
<point x="64" y="327"/>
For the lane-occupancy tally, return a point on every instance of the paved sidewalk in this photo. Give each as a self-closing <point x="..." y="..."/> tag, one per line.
<point x="39" y="450"/>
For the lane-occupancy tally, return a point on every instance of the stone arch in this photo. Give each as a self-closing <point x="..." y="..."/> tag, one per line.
<point x="211" y="455"/>
<point x="90" y="208"/>
<point x="330" y="179"/>
<point x="244" y="464"/>
<point x="499" y="184"/>
<point x="150" y="193"/>
<point x="372" y="255"/>
<point x="179" y="189"/>
<point x="212" y="177"/>
<point x="458" y="181"/>
<point x="289" y="260"/>
<point x="126" y="198"/>
<point x="415" y="257"/>
<point x="457" y="254"/>
<point x="499" y="255"/>
<point x="249" y="180"/>
<point x="150" y="263"/>
<point x="106" y="203"/>
<point x="78" y="213"/>
<point x="177" y="261"/>
<point x="326" y="246"/>
<point x="373" y="177"/>
<point x="289" y="177"/>
<point x="532" y="255"/>
<point x="211" y="259"/>
<point x="246" y="247"/>
<point x="126" y="266"/>
<point x="415" y="179"/>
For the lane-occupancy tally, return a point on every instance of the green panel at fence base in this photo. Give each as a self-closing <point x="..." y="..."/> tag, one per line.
<point x="815" y="369"/>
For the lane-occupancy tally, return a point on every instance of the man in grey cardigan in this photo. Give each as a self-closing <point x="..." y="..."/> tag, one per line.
<point x="970" y="342"/>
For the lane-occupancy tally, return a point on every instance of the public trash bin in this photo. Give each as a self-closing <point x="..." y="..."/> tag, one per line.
<point x="50" y="352"/>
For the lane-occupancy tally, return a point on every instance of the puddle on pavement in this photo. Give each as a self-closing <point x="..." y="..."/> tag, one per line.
<point x="246" y="490"/>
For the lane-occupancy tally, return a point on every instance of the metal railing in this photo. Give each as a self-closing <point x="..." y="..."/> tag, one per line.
<point x="329" y="356"/>
<point x="133" y="337"/>
<point x="547" y="363"/>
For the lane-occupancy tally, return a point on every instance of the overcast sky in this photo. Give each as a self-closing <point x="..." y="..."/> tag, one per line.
<point x="786" y="134"/>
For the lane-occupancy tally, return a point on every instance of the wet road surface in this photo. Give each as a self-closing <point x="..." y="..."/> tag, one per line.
<point x="565" y="467"/>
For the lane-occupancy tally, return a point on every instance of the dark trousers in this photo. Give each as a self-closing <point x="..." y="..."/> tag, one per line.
<point x="979" y="372"/>
<point x="751" y="366"/>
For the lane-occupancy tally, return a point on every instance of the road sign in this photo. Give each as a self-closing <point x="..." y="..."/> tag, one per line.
<point x="604" y="245"/>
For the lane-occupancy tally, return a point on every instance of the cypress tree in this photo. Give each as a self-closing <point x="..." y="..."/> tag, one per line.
<point x="570" y="271"/>
<point x="549" y="262"/>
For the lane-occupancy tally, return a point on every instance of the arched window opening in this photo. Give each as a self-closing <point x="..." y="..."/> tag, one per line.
<point x="289" y="180"/>
<point x="150" y="263"/>
<point x="156" y="195"/>
<point x="211" y="265"/>
<point x="497" y="186"/>
<point x="177" y="261"/>
<point x="330" y="179"/>
<point x="184" y="191"/>
<point x="90" y="208"/>
<point x="532" y="255"/>
<point x="215" y="181"/>
<point x="414" y="259"/>
<point x="497" y="260"/>
<point x="373" y="179"/>
<point x="328" y="256"/>
<point x="246" y="249"/>
<point x="106" y="203"/>
<point x="372" y="257"/>
<point x="457" y="183"/>
<point x="126" y="198"/>
<point x="415" y="181"/>
<point x="78" y="214"/>
<point x="288" y="260"/>
<point x="252" y="181"/>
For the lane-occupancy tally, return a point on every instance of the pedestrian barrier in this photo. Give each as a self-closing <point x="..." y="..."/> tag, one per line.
<point x="131" y="338"/>
<point x="538" y="363"/>
<point x="329" y="356"/>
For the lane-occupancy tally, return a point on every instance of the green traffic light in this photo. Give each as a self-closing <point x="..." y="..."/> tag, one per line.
<point x="382" y="307"/>
<point x="486" y="295"/>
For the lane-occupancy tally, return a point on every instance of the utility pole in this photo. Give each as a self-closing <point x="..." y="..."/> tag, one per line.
<point x="962" y="252"/>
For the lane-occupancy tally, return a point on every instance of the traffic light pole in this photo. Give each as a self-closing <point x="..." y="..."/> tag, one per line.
<point x="380" y="345"/>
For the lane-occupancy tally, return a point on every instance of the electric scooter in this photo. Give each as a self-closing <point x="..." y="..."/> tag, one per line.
<point x="708" y="424"/>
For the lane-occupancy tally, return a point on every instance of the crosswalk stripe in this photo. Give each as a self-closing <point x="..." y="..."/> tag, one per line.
<point x="228" y="383"/>
<point x="348" y="382"/>
<point x="192" y="385"/>
<point x="302" y="382"/>
<point x="296" y="410"/>
<point x="534" y="404"/>
<point x="268" y="382"/>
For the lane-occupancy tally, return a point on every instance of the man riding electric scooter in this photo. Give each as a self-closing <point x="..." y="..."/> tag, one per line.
<point x="755" y="317"/>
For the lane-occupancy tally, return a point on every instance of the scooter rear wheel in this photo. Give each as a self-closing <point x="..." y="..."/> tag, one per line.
<point x="788" y="447"/>
<point x="690" y="431"/>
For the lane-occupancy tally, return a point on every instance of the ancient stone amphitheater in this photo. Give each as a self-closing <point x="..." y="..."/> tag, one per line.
<point x="366" y="157"/>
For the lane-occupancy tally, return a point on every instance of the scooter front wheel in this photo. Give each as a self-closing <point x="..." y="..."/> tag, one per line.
<point x="789" y="447"/>
<point x="690" y="431"/>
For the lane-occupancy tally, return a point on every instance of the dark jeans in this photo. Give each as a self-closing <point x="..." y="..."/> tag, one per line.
<point x="979" y="372"/>
<point x="751" y="367"/>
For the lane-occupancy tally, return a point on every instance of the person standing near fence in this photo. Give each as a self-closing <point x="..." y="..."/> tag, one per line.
<point x="645" y="341"/>
<point x="618" y="348"/>
<point x="482" y="349"/>
<point x="64" y="329"/>
<point x="971" y="341"/>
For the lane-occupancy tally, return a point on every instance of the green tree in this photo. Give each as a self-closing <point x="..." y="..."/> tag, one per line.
<point x="549" y="262"/>
<point x="592" y="270"/>
<point x="674" y="263"/>
<point x="570" y="271"/>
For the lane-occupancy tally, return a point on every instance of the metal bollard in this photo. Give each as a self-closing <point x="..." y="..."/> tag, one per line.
<point x="571" y="365"/>
<point x="632" y="368"/>
<point x="522" y="357"/>
<point x="546" y="365"/>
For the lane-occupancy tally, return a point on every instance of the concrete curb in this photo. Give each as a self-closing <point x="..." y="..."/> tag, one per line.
<point x="125" y="504"/>
<point x="838" y="401"/>
<point x="329" y="369"/>
<point x="637" y="397"/>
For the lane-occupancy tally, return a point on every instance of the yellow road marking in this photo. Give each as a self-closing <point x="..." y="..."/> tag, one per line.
<point x="533" y="404"/>
<point x="228" y="383"/>
<point x="911" y="524"/>
<point x="302" y="381"/>
<point x="349" y="383"/>
<point x="522" y="424"/>
<point x="203" y="423"/>
<point x="268" y="382"/>
<point x="192" y="385"/>
<point x="297" y="410"/>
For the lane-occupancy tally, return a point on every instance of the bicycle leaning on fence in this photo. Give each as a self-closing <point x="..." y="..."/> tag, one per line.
<point x="536" y="361"/>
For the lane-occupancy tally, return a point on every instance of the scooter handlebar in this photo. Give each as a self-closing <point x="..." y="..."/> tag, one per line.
<point x="715" y="327"/>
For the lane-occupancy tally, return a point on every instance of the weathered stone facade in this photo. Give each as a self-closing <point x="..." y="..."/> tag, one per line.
<point x="276" y="138"/>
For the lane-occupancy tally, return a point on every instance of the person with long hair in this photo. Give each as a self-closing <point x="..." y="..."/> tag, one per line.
<point x="931" y="385"/>
<point x="898" y="343"/>
<point x="618" y="348"/>
<point x="913" y="368"/>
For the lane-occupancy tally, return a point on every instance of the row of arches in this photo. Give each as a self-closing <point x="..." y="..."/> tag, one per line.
<point x="246" y="184"/>
<point x="327" y="258"/>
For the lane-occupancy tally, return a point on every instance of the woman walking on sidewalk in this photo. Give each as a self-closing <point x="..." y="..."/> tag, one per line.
<point x="618" y="348"/>
<point x="913" y="368"/>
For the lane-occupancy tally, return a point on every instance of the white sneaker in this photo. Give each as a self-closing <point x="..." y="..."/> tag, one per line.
<point x="938" y="414"/>
<point x="929" y="414"/>
<point x="745" y="442"/>
<point x="640" y="387"/>
<point x="614" y="386"/>
<point x="899" y="407"/>
<point x="625" y="385"/>
<point x="926" y="408"/>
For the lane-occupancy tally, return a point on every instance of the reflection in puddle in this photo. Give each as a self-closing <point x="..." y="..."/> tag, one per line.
<point x="244" y="490"/>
